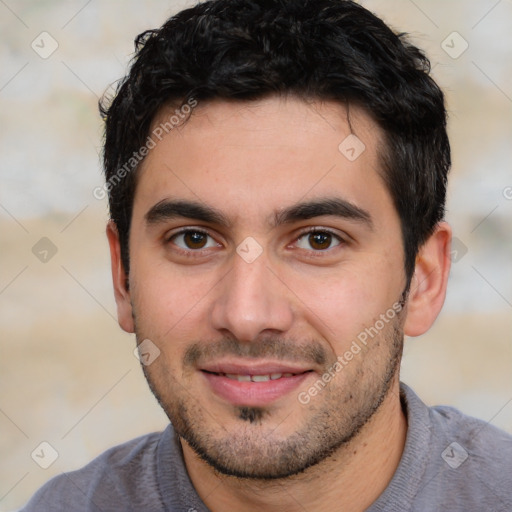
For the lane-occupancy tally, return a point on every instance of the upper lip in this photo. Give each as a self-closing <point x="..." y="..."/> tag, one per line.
<point x="253" y="368"/>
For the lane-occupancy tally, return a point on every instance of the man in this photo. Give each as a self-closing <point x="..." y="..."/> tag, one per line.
<point x="276" y="174"/>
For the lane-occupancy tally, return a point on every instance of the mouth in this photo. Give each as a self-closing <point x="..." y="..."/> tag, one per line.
<point x="255" y="378"/>
<point x="253" y="386"/>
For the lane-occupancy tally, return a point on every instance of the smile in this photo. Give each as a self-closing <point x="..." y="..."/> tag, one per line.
<point x="256" y="378"/>
<point x="252" y="388"/>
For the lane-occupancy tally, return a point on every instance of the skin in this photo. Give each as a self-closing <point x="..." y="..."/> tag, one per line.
<point x="299" y="302"/>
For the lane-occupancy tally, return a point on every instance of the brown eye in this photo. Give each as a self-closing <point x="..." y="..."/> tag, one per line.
<point x="192" y="239"/>
<point x="318" y="240"/>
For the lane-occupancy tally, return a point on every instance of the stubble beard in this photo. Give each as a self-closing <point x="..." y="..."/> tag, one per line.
<point x="256" y="451"/>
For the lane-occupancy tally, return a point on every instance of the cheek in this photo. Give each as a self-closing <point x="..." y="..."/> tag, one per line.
<point x="344" y="303"/>
<point x="169" y="306"/>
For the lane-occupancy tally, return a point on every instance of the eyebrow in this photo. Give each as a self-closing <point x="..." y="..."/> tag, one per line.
<point x="169" y="209"/>
<point x="335" y="207"/>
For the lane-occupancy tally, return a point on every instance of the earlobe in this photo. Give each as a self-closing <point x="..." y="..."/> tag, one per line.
<point x="429" y="282"/>
<point x="119" y="280"/>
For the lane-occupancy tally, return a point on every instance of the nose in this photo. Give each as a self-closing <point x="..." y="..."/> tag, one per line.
<point x="251" y="300"/>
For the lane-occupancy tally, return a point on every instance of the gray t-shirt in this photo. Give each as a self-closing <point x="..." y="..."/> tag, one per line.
<point x="451" y="462"/>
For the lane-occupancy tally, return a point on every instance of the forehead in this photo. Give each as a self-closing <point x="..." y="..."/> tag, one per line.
<point x="253" y="157"/>
<point x="295" y="120"/>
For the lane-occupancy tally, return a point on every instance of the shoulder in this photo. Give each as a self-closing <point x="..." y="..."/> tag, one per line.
<point x="468" y="461"/>
<point x="481" y="452"/>
<point x="115" y="480"/>
<point x="480" y="440"/>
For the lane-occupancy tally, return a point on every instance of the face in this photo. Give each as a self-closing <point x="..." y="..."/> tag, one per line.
<point x="266" y="268"/>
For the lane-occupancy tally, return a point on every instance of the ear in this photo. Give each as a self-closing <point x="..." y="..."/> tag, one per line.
<point x="119" y="279"/>
<point x="428" y="285"/>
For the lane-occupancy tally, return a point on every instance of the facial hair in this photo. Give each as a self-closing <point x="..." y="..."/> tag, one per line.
<point x="255" y="450"/>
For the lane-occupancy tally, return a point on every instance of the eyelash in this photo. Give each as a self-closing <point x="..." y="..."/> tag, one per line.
<point x="319" y="229"/>
<point x="191" y="253"/>
<point x="308" y="231"/>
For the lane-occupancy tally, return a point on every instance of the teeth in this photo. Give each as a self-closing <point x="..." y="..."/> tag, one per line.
<point x="260" y="378"/>
<point x="257" y="378"/>
<point x="239" y="378"/>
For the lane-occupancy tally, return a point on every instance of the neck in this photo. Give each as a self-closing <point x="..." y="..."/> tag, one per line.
<point x="350" y="480"/>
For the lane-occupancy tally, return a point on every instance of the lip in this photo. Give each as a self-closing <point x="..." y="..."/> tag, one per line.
<point x="253" y="394"/>
<point x="252" y="368"/>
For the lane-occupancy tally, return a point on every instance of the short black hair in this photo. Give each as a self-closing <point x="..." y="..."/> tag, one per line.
<point x="313" y="49"/>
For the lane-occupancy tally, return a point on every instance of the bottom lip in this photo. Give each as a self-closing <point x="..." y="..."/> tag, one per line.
<point x="250" y="393"/>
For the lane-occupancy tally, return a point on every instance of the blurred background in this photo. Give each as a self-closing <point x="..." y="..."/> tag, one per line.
<point x="68" y="375"/>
